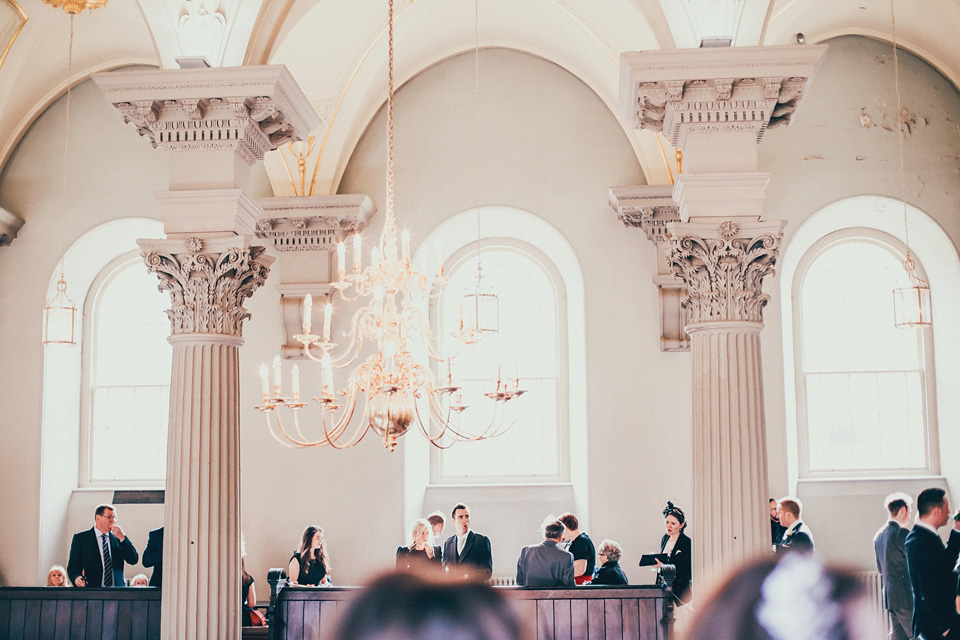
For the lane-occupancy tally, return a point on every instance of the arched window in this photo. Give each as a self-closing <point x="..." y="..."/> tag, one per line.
<point x="864" y="386"/>
<point x="529" y="346"/>
<point x="127" y="378"/>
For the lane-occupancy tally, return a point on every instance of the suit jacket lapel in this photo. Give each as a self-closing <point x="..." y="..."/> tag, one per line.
<point x="467" y="545"/>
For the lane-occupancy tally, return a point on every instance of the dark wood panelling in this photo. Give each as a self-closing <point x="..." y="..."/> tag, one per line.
<point x="561" y="620"/>
<point x="47" y="613"/>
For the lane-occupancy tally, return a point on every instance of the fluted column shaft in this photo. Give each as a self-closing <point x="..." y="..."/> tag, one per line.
<point x="729" y="446"/>
<point x="723" y="266"/>
<point x="208" y="279"/>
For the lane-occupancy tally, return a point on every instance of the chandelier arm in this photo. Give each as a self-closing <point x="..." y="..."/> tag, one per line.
<point x="266" y="414"/>
<point x="434" y="440"/>
<point x="344" y="422"/>
<point x="299" y="443"/>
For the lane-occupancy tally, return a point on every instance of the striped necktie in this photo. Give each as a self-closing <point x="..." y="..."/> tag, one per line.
<point x="107" y="563"/>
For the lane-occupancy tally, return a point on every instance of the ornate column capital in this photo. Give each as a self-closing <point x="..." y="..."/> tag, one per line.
<point x="649" y="207"/>
<point x="208" y="280"/>
<point x="715" y="90"/>
<point x="9" y="226"/>
<point x="724" y="266"/>
<point x="249" y="110"/>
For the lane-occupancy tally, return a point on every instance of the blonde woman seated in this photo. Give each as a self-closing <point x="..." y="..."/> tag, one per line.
<point x="139" y="580"/>
<point x="420" y="552"/>
<point x="608" y="564"/>
<point x="57" y="577"/>
<point x="310" y="564"/>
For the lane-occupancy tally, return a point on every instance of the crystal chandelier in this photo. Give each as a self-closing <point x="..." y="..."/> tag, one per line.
<point x="911" y="305"/>
<point x="74" y="7"/>
<point x="396" y="381"/>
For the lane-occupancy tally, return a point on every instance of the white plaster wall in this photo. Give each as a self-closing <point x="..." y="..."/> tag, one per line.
<point x="827" y="155"/>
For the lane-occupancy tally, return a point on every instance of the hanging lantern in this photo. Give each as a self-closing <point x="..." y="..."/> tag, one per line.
<point x="481" y="308"/>
<point x="60" y="317"/>
<point x="911" y="305"/>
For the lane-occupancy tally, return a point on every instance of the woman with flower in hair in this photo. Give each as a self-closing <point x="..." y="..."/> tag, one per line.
<point x="675" y="544"/>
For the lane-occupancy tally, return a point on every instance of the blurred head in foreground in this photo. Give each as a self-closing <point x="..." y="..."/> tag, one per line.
<point x="797" y="598"/>
<point x="409" y="606"/>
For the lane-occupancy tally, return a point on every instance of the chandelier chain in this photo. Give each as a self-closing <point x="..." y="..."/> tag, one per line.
<point x="66" y="151"/>
<point x="476" y="99"/>
<point x="900" y="124"/>
<point x="390" y="116"/>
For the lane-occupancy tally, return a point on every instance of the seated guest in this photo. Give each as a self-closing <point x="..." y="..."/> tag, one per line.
<point x="796" y="597"/>
<point x="97" y="556"/>
<point x="409" y="606"/>
<point x="581" y="546"/>
<point x="467" y="554"/>
<point x="437" y="522"/>
<point x="796" y="535"/>
<point x="677" y="546"/>
<point x="153" y="556"/>
<point x="609" y="571"/>
<point x="546" y="564"/>
<point x="139" y="580"/>
<point x="250" y="616"/>
<point x="419" y="552"/>
<point x="57" y="577"/>
<point x="310" y="564"/>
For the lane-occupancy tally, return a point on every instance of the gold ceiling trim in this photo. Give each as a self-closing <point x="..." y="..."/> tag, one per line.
<point x="23" y="20"/>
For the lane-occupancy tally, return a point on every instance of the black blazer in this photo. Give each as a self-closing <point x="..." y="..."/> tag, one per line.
<point x="892" y="565"/>
<point x="681" y="557"/>
<point x="800" y="539"/>
<point x="476" y="559"/>
<point x="85" y="558"/>
<point x="930" y="566"/>
<point x="609" y="573"/>
<point x="153" y="556"/>
<point x="410" y="559"/>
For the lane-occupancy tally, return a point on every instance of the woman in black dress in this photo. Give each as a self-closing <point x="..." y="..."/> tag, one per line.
<point x="419" y="552"/>
<point x="608" y="559"/>
<point x="676" y="545"/>
<point x="310" y="565"/>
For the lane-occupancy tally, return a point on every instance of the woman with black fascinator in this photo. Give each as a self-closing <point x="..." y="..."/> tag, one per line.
<point x="675" y="544"/>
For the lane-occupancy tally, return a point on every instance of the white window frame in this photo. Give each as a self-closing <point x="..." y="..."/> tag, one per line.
<point x="91" y="304"/>
<point x="925" y="348"/>
<point x="464" y="257"/>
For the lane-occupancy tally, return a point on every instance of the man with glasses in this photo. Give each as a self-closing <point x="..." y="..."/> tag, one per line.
<point x="98" y="555"/>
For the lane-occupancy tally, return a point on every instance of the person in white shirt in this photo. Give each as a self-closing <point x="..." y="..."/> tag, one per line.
<point x="97" y="556"/>
<point x="796" y="535"/>
<point x="467" y="554"/>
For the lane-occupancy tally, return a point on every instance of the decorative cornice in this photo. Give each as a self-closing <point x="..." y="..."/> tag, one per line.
<point x="649" y="207"/>
<point x="9" y="226"/>
<point x="312" y="223"/>
<point x="741" y="89"/>
<point x="208" y="289"/>
<point x="724" y="270"/>
<point x="248" y="109"/>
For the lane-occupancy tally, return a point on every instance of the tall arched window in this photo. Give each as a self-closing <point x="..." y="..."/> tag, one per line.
<point x="127" y="378"/>
<point x="864" y="386"/>
<point x="530" y="346"/>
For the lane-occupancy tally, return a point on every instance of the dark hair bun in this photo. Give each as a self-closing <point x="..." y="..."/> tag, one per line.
<point x="674" y="511"/>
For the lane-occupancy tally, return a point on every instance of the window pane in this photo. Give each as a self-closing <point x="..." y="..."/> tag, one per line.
<point x="129" y="379"/>
<point x="526" y="346"/>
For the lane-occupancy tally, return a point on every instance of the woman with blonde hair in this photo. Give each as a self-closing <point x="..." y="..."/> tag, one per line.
<point x="57" y="577"/>
<point x="420" y="551"/>
<point x="310" y="565"/>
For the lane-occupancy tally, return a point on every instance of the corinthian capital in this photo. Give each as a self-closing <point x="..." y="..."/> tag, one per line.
<point x="208" y="281"/>
<point x="724" y="267"/>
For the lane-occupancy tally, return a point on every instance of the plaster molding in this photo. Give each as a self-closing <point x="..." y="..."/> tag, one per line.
<point x="735" y="90"/>
<point x="723" y="195"/>
<point x="251" y="110"/>
<point x="206" y="212"/>
<point x="312" y="223"/>
<point x="208" y="281"/>
<point x="9" y="226"/>
<point x="723" y="266"/>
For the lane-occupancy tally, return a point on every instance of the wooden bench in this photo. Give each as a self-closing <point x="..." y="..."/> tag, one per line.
<point x="79" y="614"/>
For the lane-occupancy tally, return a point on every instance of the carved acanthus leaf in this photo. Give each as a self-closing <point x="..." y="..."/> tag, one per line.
<point x="724" y="277"/>
<point x="207" y="290"/>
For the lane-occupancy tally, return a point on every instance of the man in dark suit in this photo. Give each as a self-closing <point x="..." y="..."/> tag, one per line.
<point x="97" y="555"/>
<point x="546" y="564"/>
<point x="892" y="565"/>
<point x="930" y="566"/>
<point x="776" y="529"/>
<point x="467" y="553"/>
<point x="153" y="556"/>
<point x="796" y="535"/>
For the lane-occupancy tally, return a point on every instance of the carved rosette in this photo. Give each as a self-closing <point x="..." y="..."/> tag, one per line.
<point x="207" y="289"/>
<point x="724" y="276"/>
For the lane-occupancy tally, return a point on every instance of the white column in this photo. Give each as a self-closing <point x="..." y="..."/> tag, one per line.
<point x="208" y="282"/>
<point x="724" y="275"/>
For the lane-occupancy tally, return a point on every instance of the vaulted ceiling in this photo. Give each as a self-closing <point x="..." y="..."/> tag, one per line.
<point x="337" y="50"/>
